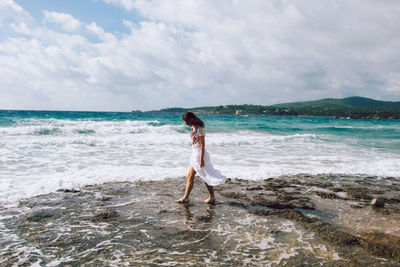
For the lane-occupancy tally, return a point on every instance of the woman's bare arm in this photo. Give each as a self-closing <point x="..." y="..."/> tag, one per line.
<point x="202" y="141"/>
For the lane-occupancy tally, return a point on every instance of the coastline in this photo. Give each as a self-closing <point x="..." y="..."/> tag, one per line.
<point x="355" y="107"/>
<point x="290" y="220"/>
<point x="301" y="116"/>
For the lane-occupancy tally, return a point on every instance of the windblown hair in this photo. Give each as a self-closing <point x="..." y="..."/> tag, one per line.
<point x="192" y="119"/>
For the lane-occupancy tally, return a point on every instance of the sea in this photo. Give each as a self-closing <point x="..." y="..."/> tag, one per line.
<point x="42" y="151"/>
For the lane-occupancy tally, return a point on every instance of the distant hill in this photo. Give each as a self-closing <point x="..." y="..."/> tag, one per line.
<point x="350" y="102"/>
<point x="352" y="107"/>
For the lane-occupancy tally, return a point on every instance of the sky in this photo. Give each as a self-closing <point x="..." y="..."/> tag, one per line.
<point x="123" y="55"/>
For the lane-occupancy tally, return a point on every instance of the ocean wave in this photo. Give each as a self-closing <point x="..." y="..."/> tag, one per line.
<point x="79" y="174"/>
<point x="361" y="129"/>
<point x="71" y="127"/>
<point x="51" y="153"/>
<point x="46" y="131"/>
<point x="257" y="139"/>
<point x="85" y="131"/>
<point x="373" y="127"/>
<point x="4" y="122"/>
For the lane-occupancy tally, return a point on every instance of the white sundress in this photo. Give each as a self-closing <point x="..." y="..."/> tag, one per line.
<point x="209" y="175"/>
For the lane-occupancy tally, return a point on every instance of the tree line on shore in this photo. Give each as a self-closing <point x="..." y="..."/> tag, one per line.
<point x="351" y="107"/>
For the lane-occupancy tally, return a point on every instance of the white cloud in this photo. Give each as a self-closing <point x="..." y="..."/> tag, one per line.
<point x="71" y="24"/>
<point x="191" y="53"/>
<point x="68" y="22"/>
<point x="94" y="29"/>
<point x="9" y="10"/>
<point x="127" y="4"/>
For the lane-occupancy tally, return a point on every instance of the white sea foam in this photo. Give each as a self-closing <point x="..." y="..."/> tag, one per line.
<point x="41" y="155"/>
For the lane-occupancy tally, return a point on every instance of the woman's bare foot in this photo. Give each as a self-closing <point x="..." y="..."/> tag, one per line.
<point x="209" y="200"/>
<point x="182" y="200"/>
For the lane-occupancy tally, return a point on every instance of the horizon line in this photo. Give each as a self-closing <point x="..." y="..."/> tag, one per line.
<point x="133" y="110"/>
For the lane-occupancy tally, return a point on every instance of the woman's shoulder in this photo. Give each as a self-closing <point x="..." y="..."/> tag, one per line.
<point x="201" y="130"/>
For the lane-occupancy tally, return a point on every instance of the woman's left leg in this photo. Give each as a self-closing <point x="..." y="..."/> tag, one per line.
<point x="189" y="186"/>
<point x="211" y="199"/>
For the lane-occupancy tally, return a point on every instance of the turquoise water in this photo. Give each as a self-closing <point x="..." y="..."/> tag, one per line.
<point x="53" y="149"/>
<point x="385" y="129"/>
<point x="380" y="134"/>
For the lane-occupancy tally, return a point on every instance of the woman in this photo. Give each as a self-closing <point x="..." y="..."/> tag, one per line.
<point x="200" y="161"/>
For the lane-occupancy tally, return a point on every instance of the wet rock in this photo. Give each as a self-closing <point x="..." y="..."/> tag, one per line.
<point x="263" y="200"/>
<point x="140" y="224"/>
<point x="276" y="185"/>
<point x="44" y="214"/>
<point x="381" y="244"/>
<point x="336" y="189"/>
<point x="323" y="229"/>
<point x="68" y="190"/>
<point x="378" y="203"/>
<point x="380" y="211"/>
<point x="391" y="200"/>
<point x="317" y="184"/>
<point x="189" y="235"/>
<point x="283" y="201"/>
<point x="106" y="216"/>
<point x="278" y="205"/>
<point x="358" y="193"/>
<point x="119" y="191"/>
<point x="105" y="198"/>
<point x="303" y="203"/>
<point x="162" y="211"/>
<point x="234" y="195"/>
<point x="357" y="206"/>
<point x="253" y="188"/>
<point x="235" y="204"/>
<point x="326" y="195"/>
<point x="286" y="196"/>
<point x="206" y="218"/>
<point x="295" y="181"/>
<point x="395" y="211"/>
<point x="297" y="200"/>
<point x="262" y="212"/>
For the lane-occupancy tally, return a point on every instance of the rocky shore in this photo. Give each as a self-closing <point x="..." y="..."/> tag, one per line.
<point x="297" y="220"/>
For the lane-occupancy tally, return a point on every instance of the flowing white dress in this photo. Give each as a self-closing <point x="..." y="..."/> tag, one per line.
<point x="209" y="175"/>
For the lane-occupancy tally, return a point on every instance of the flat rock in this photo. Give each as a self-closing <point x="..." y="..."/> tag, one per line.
<point x="381" y="244"/>
<point x="106" y="216"/>
<point x="255" y="223"/>
<point x="327" y="195"/>
<point x="44" y="214"/>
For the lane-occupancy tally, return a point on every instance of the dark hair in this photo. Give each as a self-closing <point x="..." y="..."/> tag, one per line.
<point x="192" y="119"/>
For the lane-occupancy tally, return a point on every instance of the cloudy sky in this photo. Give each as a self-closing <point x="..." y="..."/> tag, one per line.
<point x="139" y="54"/>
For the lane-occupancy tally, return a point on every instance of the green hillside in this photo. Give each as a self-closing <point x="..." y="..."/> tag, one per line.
<point x="351" y="107"/>
<point x="350" y="102"/>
